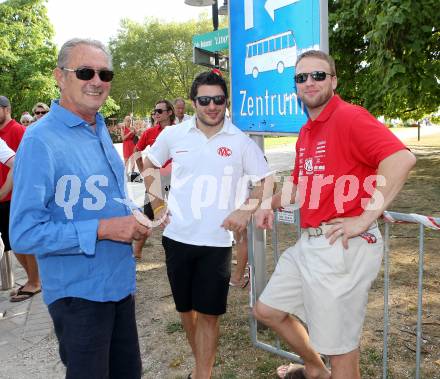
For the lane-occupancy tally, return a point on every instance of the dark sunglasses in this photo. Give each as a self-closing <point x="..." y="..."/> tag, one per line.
<point x="206" y="100"/>
<point x="88" y="73"/>
<point x="160" y="111"/>
<point x="39" y="112"/>
<point x="318" y="76"/>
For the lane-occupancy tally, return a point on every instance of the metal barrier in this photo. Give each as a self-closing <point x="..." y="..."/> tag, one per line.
<point x="422" y="221"/>
<point x="292" y="217"/>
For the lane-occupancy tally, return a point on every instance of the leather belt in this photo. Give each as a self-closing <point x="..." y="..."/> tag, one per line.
<point x="324" y="228"/>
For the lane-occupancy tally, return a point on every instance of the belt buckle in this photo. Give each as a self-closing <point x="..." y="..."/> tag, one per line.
<point x="317" y="232"/>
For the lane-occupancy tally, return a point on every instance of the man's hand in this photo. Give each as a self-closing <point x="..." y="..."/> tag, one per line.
<point x="346" y="228"/>
<point x="122" y="229"/>
<point x="237" y="221"/>
<point x="264" y="218"/>
<point x="161" y="216"/>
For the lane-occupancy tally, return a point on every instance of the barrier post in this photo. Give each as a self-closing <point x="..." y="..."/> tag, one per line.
<point x="6" y="271"/>
<point x="420" y="299"/>
<point x="386" y="314"/>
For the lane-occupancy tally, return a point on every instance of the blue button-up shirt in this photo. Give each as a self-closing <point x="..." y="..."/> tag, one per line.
<point x="66" y="177"/>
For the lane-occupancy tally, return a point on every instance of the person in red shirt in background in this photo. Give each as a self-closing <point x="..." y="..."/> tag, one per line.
<point x="12" y="132"/>
<point x="6" y="158"/>
<point x="348" y="168"/>
<point x="163" y="115"/>
<point x="128" y="135"/>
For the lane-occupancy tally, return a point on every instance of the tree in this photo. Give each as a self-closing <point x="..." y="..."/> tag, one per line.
<point x="154" y="61"/>
<point x="387" y="54"/>
<point x="109" y="108"/>
<point x="27" y="54"/>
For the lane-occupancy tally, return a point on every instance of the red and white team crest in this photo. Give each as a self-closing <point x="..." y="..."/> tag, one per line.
<point x="224" y="151"/>
<point x="308" y="164"/>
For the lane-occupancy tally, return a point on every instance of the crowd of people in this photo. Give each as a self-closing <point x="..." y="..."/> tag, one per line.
<point x="204" y="179"/>
<point x="11" y="134"/>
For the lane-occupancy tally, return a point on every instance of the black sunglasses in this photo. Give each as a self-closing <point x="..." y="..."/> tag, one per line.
<point x="40" y="112"/>
<point x="206" y="100"/>
<point x="160" y="111"/>
<point x="318" y="76"/>
<point x="88" y="73"/>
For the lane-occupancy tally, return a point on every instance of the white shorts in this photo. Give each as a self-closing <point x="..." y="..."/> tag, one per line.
<point x="327" y="287"/>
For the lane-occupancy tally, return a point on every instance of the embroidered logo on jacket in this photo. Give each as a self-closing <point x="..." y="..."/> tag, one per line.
<point x="224" y="151"/>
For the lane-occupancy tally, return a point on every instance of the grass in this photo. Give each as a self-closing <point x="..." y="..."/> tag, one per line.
<point x="275" y="141"/>
<point x="432" y="141"/>
<point x="271" y="142"/>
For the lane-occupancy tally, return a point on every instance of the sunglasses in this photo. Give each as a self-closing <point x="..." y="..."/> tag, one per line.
<point x="37" y="113"/>
<point x="160" y="111"/>
<point x="89" y="73"/>
<point x="318" y="76"/>
<point x="206" y="100"/>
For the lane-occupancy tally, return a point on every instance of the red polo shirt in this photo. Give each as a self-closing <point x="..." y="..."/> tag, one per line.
<point x="337" y="156"/>
<point x="11" y="133"/>
<point x="148" y="137"/>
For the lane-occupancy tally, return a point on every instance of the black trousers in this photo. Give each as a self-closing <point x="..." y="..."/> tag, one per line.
<point x="97" y="340"/>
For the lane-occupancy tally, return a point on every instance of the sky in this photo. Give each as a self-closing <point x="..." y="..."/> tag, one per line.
<point x="100" y="19"/>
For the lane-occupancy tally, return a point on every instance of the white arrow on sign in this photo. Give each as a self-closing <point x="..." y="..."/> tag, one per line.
<point x="248" y="14"/>
<point x="272" y="5"/>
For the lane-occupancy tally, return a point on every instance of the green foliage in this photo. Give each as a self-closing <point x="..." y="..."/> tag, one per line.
<point x="27" y="54"/>
<point x="109" y="108"/>
<point x="154" y="60"/>
<point x="387" y="54"/>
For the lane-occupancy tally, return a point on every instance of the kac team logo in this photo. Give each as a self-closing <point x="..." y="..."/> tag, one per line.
<point x="224" y="151"/>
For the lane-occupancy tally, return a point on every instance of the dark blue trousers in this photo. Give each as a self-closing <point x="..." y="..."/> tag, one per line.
<point x="97" y="340"/>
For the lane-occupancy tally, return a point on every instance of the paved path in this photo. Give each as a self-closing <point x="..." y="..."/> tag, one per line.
<point x="25" y="330"/>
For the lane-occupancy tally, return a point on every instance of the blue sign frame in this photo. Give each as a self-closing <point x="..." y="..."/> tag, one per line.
<point x="266" y="37"/>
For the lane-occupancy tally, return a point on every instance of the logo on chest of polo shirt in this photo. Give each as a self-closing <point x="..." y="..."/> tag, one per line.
<point x="224" y="151"/>
<point x="308" y="164"/>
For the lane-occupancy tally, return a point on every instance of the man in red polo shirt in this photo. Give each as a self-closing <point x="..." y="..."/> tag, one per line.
<point x="348" y="169"/>
<point x="12" y="132"/>
<point x="164" y="116"/>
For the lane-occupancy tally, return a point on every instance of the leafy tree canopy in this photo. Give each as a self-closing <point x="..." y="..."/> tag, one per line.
<point x="387" y="54"/>
<point x="153" y="61"/>
<point x="27" y="54"/>
<point x="109" y="108"/>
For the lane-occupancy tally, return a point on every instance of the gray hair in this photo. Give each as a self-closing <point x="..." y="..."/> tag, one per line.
<point x="319" y="55"/>
<point x="181" y="99"/>
<point x="64" y="54"/>
<point x="26" y="117"/>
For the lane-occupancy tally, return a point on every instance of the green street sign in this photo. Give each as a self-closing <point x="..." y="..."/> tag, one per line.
<point x="213" y="41"/>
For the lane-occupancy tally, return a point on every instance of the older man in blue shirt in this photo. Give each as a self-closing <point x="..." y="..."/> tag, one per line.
<point x="68" y="180"/>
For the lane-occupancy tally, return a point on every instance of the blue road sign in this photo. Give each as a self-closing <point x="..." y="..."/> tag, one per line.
<point x="266" y="37"/>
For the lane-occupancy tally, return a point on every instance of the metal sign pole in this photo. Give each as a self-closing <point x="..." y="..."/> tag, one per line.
<point x="258" y="242"/>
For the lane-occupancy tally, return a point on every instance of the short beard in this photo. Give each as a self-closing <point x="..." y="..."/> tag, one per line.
<point x="210" y="124"/>
<point x="317" y="102"/>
